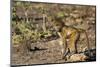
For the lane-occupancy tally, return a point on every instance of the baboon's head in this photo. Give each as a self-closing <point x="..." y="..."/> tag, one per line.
<point x="58" y="24"/>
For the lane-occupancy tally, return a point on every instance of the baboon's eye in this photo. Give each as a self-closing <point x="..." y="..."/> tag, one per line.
<point x="57" y="24"/>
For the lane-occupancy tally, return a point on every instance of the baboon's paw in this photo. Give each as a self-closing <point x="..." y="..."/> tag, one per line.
<point x="78" y="57"/>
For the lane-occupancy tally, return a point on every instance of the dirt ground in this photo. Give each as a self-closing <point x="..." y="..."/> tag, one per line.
<point x="45" y="53"/>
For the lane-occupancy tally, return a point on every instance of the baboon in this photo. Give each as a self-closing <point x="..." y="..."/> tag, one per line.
<point x="69" y="36"/>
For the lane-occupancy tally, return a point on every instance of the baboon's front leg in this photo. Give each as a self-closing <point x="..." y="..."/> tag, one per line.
<point x="64" y="49"/>
<point x="72" y="42"/>
<point x="62" y="43"/>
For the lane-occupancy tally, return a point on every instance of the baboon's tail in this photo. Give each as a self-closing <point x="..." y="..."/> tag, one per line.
<point x="87" y="39"/>
<point x="88" y="44"/>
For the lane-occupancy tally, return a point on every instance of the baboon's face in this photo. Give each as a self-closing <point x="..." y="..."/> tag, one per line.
<point x="57" y="26"/>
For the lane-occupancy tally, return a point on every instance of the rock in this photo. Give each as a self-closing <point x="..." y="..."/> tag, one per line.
<point x="85" y="49"/>
<point x="78" y="57"/>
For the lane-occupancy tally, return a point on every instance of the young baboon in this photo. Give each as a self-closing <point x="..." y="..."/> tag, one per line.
<point x="69" y="36"/>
